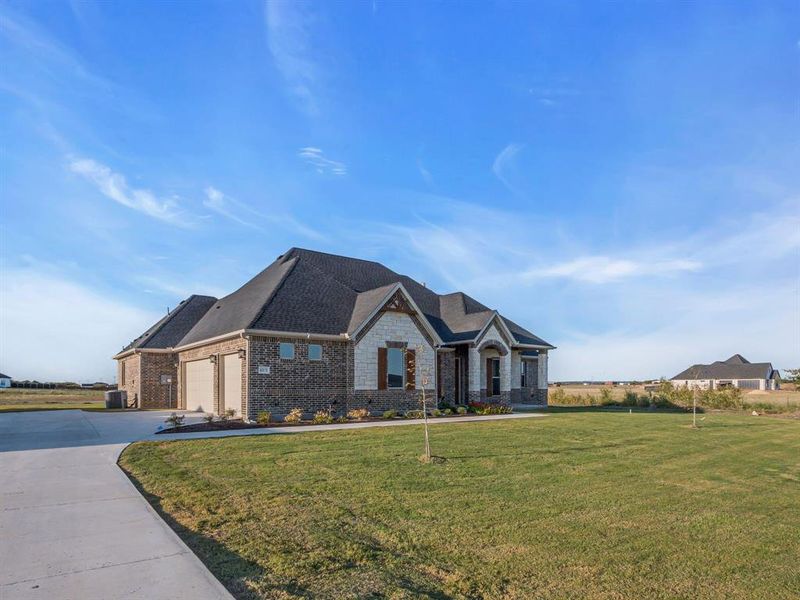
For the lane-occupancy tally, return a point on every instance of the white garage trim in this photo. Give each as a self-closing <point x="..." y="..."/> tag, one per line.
<point x="199" y="385"/>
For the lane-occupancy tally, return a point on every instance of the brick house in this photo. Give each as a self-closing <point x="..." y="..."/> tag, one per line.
<point x="737" y="371"/>
<point x="320" y="331"/>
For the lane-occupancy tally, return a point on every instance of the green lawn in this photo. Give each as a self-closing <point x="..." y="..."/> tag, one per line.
<point x="20" y="399"/>
<point x="575" y="505"/>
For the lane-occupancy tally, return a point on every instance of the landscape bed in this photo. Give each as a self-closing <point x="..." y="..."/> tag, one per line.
<point x="234" y="424"/>
<point x="592" y="505"/>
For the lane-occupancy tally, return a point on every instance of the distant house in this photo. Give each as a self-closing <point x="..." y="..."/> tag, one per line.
<point x="737" y="371"/>
<point x="5" y="381"/>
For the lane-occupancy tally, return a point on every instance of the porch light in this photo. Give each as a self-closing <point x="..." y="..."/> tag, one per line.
<point x="242" y="353"/>
<point x="213" y="359"/>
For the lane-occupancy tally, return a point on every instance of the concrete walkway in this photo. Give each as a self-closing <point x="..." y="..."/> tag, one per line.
<point x="72" y="526"/>
<point x="336" y="426"/>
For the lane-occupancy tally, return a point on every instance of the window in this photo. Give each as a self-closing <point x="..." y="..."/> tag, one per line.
<point x="314" y="352"/>
<point x="286" y="350"/>
<point x="495" y="365"/>
<point x="122" y="375"/>
<point x="524" y="376"/>
<point x="395" y="369"/>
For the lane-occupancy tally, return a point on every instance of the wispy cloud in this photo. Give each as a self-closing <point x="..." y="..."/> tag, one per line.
<point x="114" y="186"/>
<point x="248" y="216"/>
<point x="603" y="269"/>
<point x="504" y="162"/>
<point x="424" y="172"/>
<point x="290" y="46"/>
<point x="222" y="204"/>
<point x="322" y="164"/>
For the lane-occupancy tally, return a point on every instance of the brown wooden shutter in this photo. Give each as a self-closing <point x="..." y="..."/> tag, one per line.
<point x="381" y="368"/>
<point x="411" y="370"/>
<point x="488" y="376"/>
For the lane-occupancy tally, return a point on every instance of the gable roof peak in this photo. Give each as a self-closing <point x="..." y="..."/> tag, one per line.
<point x="737" y="359"/>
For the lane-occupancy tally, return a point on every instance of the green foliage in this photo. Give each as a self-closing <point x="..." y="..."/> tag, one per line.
<point x="263" y="417"/>
<point x="436" y="413"/>
<point x="462" y="410"/>
<point x="208" y="418"/>
<point x="413" y="414"/>
<point x="447" y="411"/>
<point x="390" y="414"/>
<point x="606" y="396"/>
<point x="487" y="408"/>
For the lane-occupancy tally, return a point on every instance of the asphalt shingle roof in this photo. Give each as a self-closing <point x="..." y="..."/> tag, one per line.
<point x="305" y="291"/>
<point x="736" y="367"/>
<point x="172" y="328"/>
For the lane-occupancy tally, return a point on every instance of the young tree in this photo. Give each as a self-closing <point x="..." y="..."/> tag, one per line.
<point x="425" y="378"/>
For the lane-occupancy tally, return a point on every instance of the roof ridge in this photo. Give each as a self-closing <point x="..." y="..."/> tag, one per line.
<point x="269" y="298"/>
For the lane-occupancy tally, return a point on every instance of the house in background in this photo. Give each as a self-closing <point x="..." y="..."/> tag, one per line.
<point x="5" y="381"/>
<point x="319" y="331"/>
<point x="737" y="371"/>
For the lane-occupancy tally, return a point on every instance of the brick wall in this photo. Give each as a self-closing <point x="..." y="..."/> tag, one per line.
<point x="128" y="376"/>
<point x="153" y="393"/>
<point x="203" y="352"/>
<point x="299" y="382"/>
<point x="446" y="370"/>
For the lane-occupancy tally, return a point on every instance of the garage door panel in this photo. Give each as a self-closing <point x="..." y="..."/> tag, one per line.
<point x="200" y="385"/>
<point x="232" y="384"/>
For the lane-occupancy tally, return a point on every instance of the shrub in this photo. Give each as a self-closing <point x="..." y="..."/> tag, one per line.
<point x="295" y="416"/>
<point x="485" y="408"/>
<point x="341" y="419"/>
<point x="462" y="410"/>
<point x="359" y="414"/>
<point x="436" y="413"/>
<point x="606" y="396"/>
<point x="630" y="399"/>
<point x="230" y="413"/>
<point x="175" y="420"/>
<point x="447" y="411"/>
<point x="209" y="418"/>
<point x="413" y="414"/>
<point x="263" y="417"/>
<point x="322" y="417"/>
<point x="390" y="414"/>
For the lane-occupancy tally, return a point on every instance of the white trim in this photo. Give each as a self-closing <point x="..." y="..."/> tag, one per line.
<point x="509" y="335"/>
<point x="295" y="335"/>
<point x="211" y="340"/>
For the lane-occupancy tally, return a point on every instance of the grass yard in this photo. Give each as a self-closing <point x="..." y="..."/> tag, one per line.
<point x="19" y="399"/>
<point x="575" y="505"/>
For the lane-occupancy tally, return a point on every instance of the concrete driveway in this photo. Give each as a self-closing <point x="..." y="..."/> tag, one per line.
<point x="72" y="526"/>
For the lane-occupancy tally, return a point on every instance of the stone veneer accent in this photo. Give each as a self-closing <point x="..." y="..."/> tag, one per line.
<point x="477" y="368"/>
<point x="391" y="327"/>
<point x="229" y="346"/>
<point x="299" y="382"/>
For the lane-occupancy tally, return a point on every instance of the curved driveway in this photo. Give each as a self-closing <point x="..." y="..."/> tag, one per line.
<point x="72" y="526"/>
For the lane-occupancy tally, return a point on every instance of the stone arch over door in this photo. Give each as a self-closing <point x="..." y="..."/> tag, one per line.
<point x="500" y="347"/>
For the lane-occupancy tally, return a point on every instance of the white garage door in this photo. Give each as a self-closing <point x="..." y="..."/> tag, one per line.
<point x="232" y="382"/>
<point x="200" y="385"/>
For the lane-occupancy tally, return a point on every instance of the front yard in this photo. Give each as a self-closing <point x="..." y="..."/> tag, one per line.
<point x="592" y="505"/>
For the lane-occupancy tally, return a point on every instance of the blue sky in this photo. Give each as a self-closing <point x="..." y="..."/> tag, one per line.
<point x="621" y="178"/>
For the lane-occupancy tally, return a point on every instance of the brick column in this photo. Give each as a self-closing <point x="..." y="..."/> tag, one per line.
<point x="541" y="382"/>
